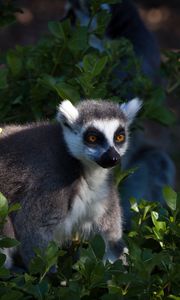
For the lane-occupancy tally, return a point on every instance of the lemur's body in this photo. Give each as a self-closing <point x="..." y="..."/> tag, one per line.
<point x="60" y="174"/>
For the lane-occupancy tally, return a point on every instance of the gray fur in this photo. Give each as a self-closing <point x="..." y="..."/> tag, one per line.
<point x="38" y="170"/>
<point x="90" y="110"/>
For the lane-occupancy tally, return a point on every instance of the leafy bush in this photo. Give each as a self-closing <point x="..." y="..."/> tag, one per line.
<point x="152" y="272"/>
<point x="66" y="64"/>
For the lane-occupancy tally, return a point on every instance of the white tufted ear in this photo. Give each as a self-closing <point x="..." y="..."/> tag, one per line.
<point x="67" y="113"/>
<point x="131" y="108"/>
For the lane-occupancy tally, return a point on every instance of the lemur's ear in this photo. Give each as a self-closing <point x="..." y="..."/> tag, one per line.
<point x="131" y="108"/>
<point x="67" y="113"/>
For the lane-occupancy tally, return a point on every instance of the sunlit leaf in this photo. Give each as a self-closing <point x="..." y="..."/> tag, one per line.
<point x="170" y="196"/>
<point x="3" y="205"/>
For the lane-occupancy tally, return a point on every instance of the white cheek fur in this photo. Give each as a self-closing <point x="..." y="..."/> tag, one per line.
<point x="74" y="142"/>
<point x="108" y="127"/>
<point x="86" y="154"/>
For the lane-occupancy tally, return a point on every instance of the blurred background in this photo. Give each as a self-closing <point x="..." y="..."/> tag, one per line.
<point x="162" y="17"/>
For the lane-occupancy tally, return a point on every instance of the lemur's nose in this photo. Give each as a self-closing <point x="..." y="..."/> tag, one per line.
<point x="110" y="158"/>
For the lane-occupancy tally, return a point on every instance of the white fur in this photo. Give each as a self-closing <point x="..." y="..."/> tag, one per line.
<point x="89" y="205"/>
<point x="74" y="142"/>
<point x="77" y="148"/>
<point x="107" y="127"/>
<point x="131" y="108"/>
<point x="68" y="111"/>
<point x="112" y="258"/>
<point x="9" y="254"/>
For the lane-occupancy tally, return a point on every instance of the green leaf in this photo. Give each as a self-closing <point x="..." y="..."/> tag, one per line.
<point x="158" y="224"/>
<point x="146" y="211"/>
<point x="4" y="273"/>
<point x="6" y="242"/>
<point x="2" y="259"/>
<point x="98" y="246"/>
<point x="79" y="39"/>
<point x="94" y="65"/>
<point x="132" y="234"/>
<point x="135" y="252"/>
<point x="174" y="297"/>
<point x="61" y="30"/>
<point x="37" y="265"/>
<point x="3" y="77"/>
<point x="160" y="227"/>
<point x="56" y="28"/>
<point x="13" y="295"/>
<point x="122" y="174"/>
<point x="158" y="234"/>
<point x="66" y="91"/>
<point x="48" y="81"/>
<point x="14" y="207"/>
<point x="97" y="275"/>
<point x="134" y="204"/>
<point x="171" y="197"/>
<point x="51" y="254"/>
<point x="3" y="206"/>
<point x="14" y="62"/>
<point x="38" y="291"/>
<point x="154" y="216"/>
<point x="103" y="17"/>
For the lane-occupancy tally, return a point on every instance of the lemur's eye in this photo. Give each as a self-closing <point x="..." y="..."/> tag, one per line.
<point x="91" y="138"/>
<point x="119" y="138"/>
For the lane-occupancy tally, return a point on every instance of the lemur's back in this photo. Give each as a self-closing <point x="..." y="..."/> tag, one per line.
<point x="30" y="157"/>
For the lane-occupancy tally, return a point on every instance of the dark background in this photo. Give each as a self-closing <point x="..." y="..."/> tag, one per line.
<point x="161" y="16"/>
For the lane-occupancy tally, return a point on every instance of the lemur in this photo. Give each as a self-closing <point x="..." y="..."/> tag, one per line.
<point x="61" y="174"/>
<point x="148" y="151"/>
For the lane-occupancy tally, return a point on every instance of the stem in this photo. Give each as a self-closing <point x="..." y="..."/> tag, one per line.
<point x="173" y="87"/>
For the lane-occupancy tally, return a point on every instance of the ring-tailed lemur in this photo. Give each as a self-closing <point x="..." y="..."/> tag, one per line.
<point x="148" y="151"/>
<point x="61" y="174"/>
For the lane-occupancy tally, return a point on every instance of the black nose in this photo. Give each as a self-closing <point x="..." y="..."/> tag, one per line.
<point x="109" y="159"/>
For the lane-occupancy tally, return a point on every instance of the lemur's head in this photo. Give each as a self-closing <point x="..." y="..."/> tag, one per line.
<point x="96" y="132"/>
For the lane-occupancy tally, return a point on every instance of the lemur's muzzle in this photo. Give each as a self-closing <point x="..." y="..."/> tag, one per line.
<point x="109" y="159"/>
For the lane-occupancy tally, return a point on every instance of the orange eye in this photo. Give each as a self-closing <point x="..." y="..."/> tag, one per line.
<point x="91" y="138"/>
<point x="119" y="138"/>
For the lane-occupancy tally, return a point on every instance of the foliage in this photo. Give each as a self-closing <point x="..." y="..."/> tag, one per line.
<point x="152" y="272"/>
<point x="7" y="12"/>
<point x="171" y="68"/>
<point x="67" y="64"/>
